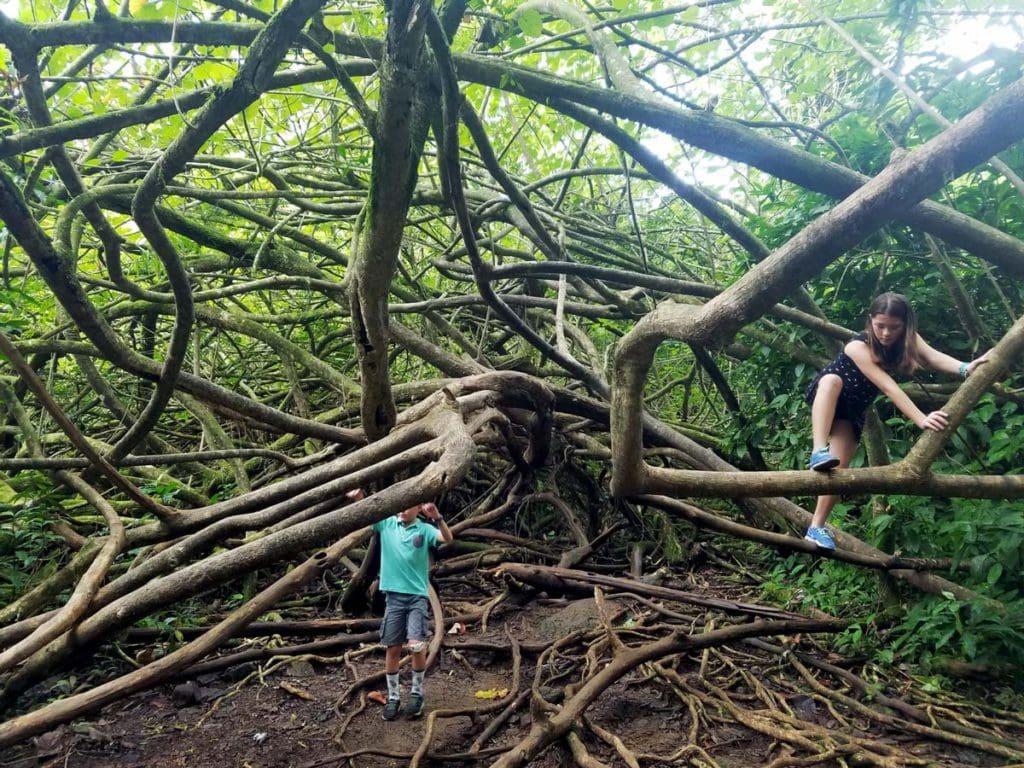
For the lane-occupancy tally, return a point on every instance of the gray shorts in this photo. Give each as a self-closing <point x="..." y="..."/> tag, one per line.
<point x="405" y="618"/>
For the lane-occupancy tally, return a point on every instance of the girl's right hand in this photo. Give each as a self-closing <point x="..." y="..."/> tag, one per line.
<point x="976" y="362"/>
<point x="936" y="421"/>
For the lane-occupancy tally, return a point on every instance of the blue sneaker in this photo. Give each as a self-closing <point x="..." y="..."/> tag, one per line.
<point x="821" y="537"/>
<point x="822" y="459"/>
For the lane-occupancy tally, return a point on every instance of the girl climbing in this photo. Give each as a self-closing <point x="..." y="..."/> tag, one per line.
<point x="842" y="391"/>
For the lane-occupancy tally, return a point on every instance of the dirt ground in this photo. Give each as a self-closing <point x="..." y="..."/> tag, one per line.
<point x="732" y="708"/>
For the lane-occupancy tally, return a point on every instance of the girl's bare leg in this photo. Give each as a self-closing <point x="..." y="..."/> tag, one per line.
<point x="844" y="445"/>
<point x="823" y="409"/>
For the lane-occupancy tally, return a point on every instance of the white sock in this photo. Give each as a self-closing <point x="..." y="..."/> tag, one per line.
<point x="394" y="692"/>
<point x="417" y="681"/>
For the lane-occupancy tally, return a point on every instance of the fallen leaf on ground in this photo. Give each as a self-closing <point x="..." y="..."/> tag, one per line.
<point x="377" y="696"/>
<point x="294" y="690"/>
<point x="492" y="693"/>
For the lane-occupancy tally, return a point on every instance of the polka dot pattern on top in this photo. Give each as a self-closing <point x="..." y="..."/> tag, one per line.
<point x="858" y="390"/>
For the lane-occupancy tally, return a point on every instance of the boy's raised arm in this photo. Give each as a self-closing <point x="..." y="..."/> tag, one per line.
<point x="433" y="514"/>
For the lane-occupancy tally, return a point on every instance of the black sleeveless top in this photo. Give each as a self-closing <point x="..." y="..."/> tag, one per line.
<point x="858" y="390"/>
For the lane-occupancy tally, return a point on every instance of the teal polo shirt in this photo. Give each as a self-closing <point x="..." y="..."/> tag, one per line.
<point x="405" y="555"/>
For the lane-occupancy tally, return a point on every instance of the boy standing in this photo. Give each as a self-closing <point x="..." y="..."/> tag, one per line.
<point x="405" y="542"/>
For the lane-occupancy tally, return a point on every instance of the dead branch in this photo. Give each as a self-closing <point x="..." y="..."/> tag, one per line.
<point x="559" y="580"/>
<point x="546" y="730"/>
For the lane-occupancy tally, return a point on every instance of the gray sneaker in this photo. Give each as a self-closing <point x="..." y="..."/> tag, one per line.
<point x="414" y="705"/>
<point x="391" y="709"/>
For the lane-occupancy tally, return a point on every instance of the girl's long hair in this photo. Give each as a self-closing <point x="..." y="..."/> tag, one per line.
<point x="904" y="356"/>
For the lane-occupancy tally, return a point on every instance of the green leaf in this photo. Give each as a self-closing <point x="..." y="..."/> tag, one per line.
<point x="531" y="23"/>
<point x="7" y="494"/>
<point x="970" y="646"/>
<point x="213" y="70"/>
<point x="334" y="22"/>
<point x="882" y="522"/>
<point x="156" y="10"/>
<point x="994" y="573"/>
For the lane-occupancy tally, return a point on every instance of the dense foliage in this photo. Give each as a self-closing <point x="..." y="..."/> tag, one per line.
<point x="270" y="207"/>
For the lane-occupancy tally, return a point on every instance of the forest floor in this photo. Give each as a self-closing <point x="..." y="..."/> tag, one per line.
<point x="748" y="704"/>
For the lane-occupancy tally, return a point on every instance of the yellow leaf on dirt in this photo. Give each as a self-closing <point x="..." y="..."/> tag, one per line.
<point x="492" y="693"/>
<point x="294" y="690"/>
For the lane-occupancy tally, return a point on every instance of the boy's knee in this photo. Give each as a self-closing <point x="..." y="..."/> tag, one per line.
<point x="417" y="646"/>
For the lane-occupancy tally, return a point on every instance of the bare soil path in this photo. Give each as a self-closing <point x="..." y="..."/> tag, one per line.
<point x="772" y="701"/>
